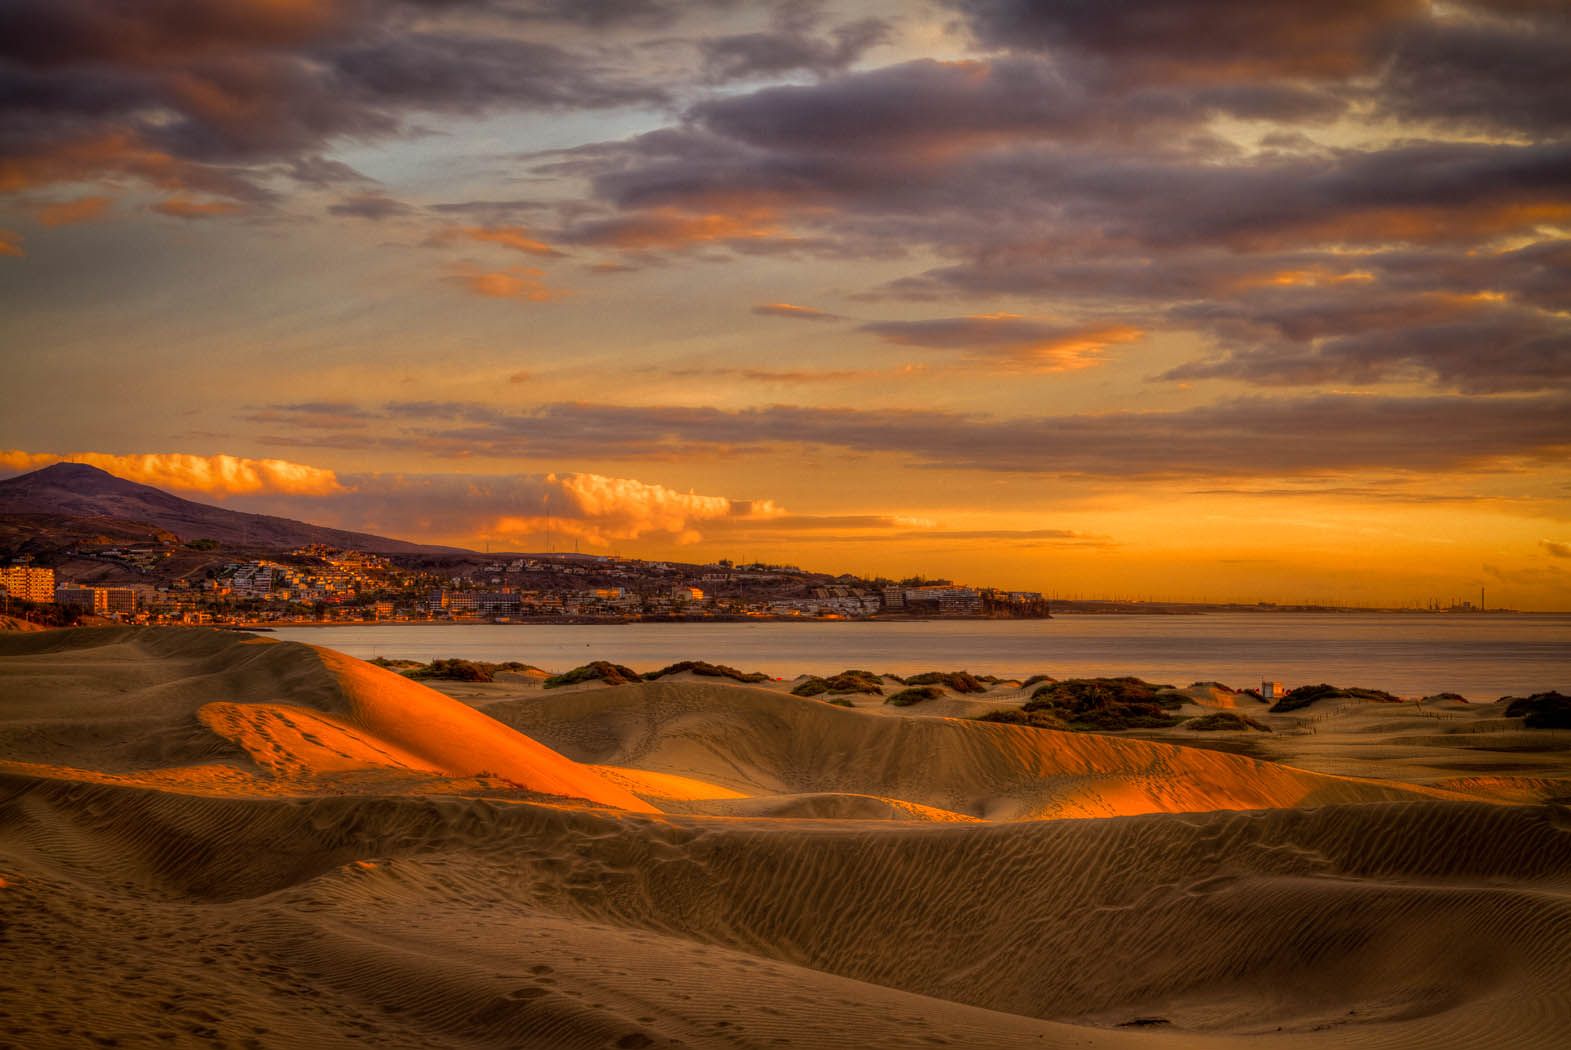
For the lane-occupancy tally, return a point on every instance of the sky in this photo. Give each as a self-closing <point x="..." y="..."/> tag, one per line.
<point x="1207" y="300"/>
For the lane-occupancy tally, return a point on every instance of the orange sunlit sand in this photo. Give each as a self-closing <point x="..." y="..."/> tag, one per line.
<point x="268" y="841"/>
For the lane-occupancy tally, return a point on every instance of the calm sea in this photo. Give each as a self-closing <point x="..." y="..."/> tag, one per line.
<point x="1481" y="657"/>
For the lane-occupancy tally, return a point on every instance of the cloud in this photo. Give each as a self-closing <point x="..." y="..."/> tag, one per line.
<point x="518" y="509"/>
<point x="180" y="208"/>
<point x="1556" y="550"/>
<point x="11" y="244"/>
<point x="789" y="49"/>
<point x="210" y="475"/>
<point x="659" y="228"/>
<point x="197" y="96"/>
<point x="372" y="206"/>
<point x="1241" y="437"/>
<point x="68" y="212"/>
<point x="518" y="282"/>
<point x="800" y="313"/>
<point x="1010" y="338"/>
<point x="517" y="238"/>
<point x="1477" y="343"/>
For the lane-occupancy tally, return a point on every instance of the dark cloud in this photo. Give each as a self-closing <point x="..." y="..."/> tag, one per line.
<point x="1296" y="336"/>
<point x="1208" y="39"/>
<point x="198" y="95"/>
<point x="1244" y="437"/>
<point x="373" y="206"/>
<point x="789" y="49"/>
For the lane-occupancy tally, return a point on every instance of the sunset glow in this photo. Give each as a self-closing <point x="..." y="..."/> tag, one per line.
<point x="1022" y="294"/>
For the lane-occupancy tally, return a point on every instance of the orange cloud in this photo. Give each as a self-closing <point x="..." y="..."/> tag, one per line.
<point x="800" y="313"/>
<point x="65" y="213"/>
<point x="672" y="228"/>
<point x="211" y="475"/>
<point x="514" y="237"/>
<point x="11" y="243"/>
<point x="180" y="208"/>
<point x="518" y="282"/>
<point x="600" y="509"/>
<point x="108" y="156"/>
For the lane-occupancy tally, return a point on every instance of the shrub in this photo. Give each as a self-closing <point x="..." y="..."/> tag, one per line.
<point x="1226" y="722"/>
<point x="1550" y="710"/>
<point x="598" y="670"/>
<point x="1037" y="679"/>
<point x="839" y="701"/>
<point x="959" y="681"/>
<point x="1218" y="686"/>
<point x="1446" y="696"/>
<point x="1304" y="695"/>
<point x="850" y="681"/>
<point x="708" y="670"/>
<point x="453" y="669"/>
<point x="915" y="695"/>
<point x="1107" y="703"/>
<point x="1040" y="719"/>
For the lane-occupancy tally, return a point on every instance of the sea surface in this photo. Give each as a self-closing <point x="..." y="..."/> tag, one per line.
<point x="1482" y="657"/>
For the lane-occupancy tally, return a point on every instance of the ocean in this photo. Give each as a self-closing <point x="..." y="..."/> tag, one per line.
<point x="1483" y="657"/>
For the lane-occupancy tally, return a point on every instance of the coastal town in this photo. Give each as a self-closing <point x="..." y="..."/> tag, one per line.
<point x="158" y="584"/>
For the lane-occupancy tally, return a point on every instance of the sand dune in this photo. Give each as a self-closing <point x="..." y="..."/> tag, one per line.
<point x="207" y="840"/>
<point x="763" y="742"/>
<point x="121" y="699"/>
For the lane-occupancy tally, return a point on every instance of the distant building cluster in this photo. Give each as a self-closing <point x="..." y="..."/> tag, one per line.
<point x="325" y="584"/>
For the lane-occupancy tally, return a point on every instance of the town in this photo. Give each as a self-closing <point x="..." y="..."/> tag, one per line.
<point x="198" y="583"/>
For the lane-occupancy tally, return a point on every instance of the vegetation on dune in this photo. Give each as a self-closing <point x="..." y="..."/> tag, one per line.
<point x="1550" y="710"/>
<point x="839" y="701"/>
<point x="1446" y="696"/>
<point x="1106" y="703"/>
<point x="1039" y="719"/>
<point x="848" y="681"/>
<point x="1225" y="722"/>
<point x="1304" y="695"/>
<point x="708" y="670"/>
<point x="595" y="671"/>
<point x="1253" y="694"/>
<point x="453" y="670"/>
<point x="915" y="695"/>
<point x="1218" y="686"/>
<point x="1037" y="679"/>
<point x="959" y="681"/>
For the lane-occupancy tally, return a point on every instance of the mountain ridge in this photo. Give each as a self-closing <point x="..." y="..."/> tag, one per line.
<point x="78" y="490"/>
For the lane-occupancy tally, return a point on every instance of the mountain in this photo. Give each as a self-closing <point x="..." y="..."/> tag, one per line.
<point x="75" y="490"/>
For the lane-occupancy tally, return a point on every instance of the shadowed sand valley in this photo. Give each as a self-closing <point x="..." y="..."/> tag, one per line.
<point x="211" y="839"/>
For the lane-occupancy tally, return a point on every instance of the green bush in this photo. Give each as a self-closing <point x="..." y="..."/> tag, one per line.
<point x="959" y="681"/>
<point x="1550" y="710"/>
<point x="1041" y="719"/>
<point x="708" y="670"/>
<point x="915" y="695"/>
<point x="598" y="670"/>
<point x="849" y="681"/>
<point x="1225" y="722"/>
<point x="1107" y="703"/>
<point x="1304" y="695"/>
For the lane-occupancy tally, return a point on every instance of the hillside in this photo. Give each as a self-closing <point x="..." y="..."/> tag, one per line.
<point x="75" y="490"/>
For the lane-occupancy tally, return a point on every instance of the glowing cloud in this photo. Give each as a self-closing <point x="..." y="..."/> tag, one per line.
<point x="65" y="213"/>
<point x="212" y="475"/>
<point x="800" y="313"/>
<point x="11" y="243"/>
<point x="518" y="282"/>
<point x="181" y="208"/>
<point x="515" y="237"/>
